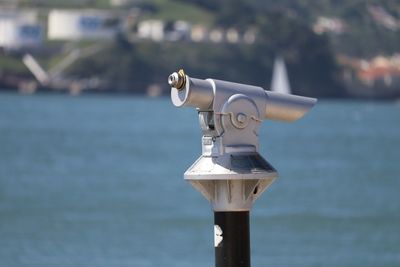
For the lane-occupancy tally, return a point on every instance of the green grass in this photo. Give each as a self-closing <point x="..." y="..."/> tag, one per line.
<point x="167" y="9"/>
<point x="12" y="64"/>
<point x="65" y="4"/>
<point x="179" y="10"/>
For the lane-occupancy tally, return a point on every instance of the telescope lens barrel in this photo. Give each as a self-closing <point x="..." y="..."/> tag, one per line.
<point x="285" y="107"/>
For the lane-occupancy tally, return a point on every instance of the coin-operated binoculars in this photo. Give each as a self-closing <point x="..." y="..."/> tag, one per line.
<point x="231" y="173"/>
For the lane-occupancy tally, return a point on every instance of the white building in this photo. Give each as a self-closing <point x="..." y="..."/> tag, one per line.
<point x="82" y="24"/>
<point x="151" y="29"/>
<point x="249" y="37"/>
<point x="19" y="29"/>
<point x="216" y="35"/>
<point x="198" y="33"/>
<point x="232" y="35"/>
<point x="122" y="3"/>
<point x="179" y="31"/>
<point x="326" y="24"/>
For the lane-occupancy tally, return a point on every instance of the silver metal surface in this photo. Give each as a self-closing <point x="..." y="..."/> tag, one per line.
<point x="173" y="79"/>
<point x="196" y="93"/>
<point x="230" y="173"/>
<point x="286" y="107"/>
<point x="233" y="181"/>
<point x="177" y="79"/>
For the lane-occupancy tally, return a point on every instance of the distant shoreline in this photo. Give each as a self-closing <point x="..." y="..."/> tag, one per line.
<point x="165" y="93"/>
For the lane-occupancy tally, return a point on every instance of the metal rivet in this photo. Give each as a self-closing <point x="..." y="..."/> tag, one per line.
<point x="241" y="118"/>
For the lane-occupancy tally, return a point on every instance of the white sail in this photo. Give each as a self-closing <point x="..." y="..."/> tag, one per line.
<point x="280" y="81"/>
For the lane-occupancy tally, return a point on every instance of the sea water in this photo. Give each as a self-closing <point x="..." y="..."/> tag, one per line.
<point x="97" y="180"/>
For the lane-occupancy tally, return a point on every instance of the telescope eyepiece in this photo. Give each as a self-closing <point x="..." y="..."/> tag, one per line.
<point x="177" y="79"/>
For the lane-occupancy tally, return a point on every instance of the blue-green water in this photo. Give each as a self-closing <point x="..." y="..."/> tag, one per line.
<point x="97" y="181"/>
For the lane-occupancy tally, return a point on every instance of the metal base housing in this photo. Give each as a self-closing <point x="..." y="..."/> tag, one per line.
<point x="231" y="182"/>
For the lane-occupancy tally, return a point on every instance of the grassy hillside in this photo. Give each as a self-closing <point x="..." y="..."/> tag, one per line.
<point x="170" y="10"/>
<point x="364" y="37"/>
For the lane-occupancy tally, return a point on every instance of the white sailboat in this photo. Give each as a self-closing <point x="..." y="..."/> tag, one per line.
<point x="280" y="81"/>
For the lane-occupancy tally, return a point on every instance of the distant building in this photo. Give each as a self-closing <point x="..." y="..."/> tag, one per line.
<point x="249" y="37"/>
<point x="380" y="68"/>
<point x="216" y="36"/>
<point x="82" y="24"/>
<point x="232" y="35"/>
<point x="329" y="25"/>
<point x="383" y="18"/>
<point x="377" y="77"/>
<point x="198" y="33"/>
<point x="178" y="31"/>
<point x="122" y="3"/>
<point x="19" y="29"/>
<point x="151" y="29"/>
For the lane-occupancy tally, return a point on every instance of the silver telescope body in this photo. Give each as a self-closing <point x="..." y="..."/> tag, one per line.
<point x="230" y="172"/>
<point x="200" y="94"/>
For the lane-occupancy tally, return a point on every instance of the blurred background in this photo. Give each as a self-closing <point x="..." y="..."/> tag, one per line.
<point x="92" y="152"/>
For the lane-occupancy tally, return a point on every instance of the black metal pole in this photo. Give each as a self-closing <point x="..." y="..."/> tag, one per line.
<point x="232" y="241"/>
